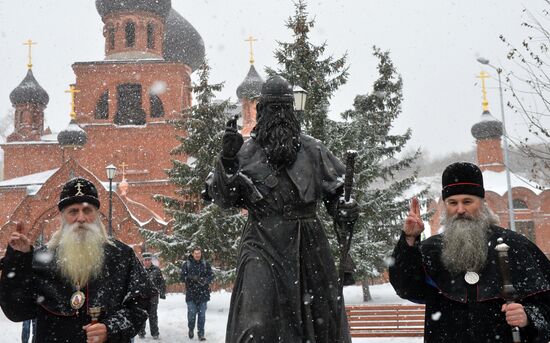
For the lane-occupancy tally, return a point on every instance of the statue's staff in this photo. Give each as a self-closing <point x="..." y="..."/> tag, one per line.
<point x="345" y="231"/>
<point x="508" y="291"/>
<point x="347" y="227"/>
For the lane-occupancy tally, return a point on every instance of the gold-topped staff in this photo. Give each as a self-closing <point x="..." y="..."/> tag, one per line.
<point x="251" y="40"/>
<point x="507" y="289"/>
<point x="94" y="312"/>
<point x="72" y="89"/>
<point x="483" y="75"/>
<point x="30" y="43"/>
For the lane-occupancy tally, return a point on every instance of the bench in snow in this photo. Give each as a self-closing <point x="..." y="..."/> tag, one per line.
<point x="386" y="320"/>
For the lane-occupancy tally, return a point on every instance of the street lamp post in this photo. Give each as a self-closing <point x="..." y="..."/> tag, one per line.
<point x="485" y="61"/>
<point x="111" y="172"/>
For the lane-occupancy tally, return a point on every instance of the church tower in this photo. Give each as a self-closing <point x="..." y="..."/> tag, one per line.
<point x="247" y="93"/>
<point x="29" y="100"/>
<point x="150" y="53"/>
<point x="488" y="132"/>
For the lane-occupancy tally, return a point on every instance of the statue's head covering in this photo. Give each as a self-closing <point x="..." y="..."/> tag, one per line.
<point x="276" y="89"/>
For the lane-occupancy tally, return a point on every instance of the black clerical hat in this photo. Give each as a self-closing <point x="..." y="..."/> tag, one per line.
<point x="78" y="190"/>
<point x="277" y="88"/>
<point x="462" y="178"/>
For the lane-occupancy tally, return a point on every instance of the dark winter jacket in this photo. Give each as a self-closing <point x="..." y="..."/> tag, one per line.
<point x="155" y="275"/>
<point x="32" y="287"/>
<point x="459" y="312"/>
<point x="197" y="277"/>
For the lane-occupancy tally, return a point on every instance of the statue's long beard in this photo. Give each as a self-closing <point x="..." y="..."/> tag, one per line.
<point x="80" y="251"/>
<point x="465" y="241"/>
<point x="279" y="135"/>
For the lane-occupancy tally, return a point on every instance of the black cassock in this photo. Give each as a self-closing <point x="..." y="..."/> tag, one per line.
<point x="459" y="312"/>
<point x="32" y="287"/>
<point x="287" y="285"/>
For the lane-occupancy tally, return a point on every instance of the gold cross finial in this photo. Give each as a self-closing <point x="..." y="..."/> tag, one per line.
<point x="483" y="75"/>
<point x="30" y="43"/>
<point x="251" y="40"/>
<point x="124" y="165"/>
<point x="72" y="89"/>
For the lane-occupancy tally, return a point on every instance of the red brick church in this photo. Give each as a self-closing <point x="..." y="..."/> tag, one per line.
<point x="121" y="108"/>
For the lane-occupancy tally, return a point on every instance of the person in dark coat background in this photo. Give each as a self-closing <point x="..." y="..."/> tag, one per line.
<point x="78" y="270"/>
<point x="456" y="273"/>
<point x="197" y="275"/>
<point x="155" y="275"/>
<point x="287" y="287"/>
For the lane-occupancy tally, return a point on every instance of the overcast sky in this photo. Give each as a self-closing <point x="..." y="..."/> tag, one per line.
<point x="433" y="43"/>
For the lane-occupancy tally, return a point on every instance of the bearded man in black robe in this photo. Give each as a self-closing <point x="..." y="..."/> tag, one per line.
<point x="287" y="285"/>
<point x="456" y="273"/>
<point x="79" y="269"/>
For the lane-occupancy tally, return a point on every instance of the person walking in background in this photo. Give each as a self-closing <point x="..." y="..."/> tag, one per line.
<point x="155" y="275"/>
<point x="197" y="275"/>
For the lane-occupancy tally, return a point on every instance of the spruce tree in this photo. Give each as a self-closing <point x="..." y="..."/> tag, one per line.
<point x="195" y="223"/>
<point x="379" y="192"/>
<point x="303" y="64"/>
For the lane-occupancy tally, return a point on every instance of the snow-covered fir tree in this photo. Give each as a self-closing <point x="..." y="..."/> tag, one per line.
<point x="196" y="223"/>
<point x="379" y="194"/>
<point x="303" y="64"/>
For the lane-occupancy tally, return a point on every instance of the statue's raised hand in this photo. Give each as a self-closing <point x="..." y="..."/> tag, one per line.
<point x="232" y="139"/>
<point x="413" y="226"/>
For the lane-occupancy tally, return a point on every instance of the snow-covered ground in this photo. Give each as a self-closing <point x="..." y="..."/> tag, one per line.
<point x="173" y="317"/>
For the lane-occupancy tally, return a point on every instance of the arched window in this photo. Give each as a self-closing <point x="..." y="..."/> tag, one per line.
<point x="157" y="109"/>
<point x="526" y="228"/>
<point x="519" y="204"/>
<point x="130" y="30"/>
<point x="129" y="111"/>
<point x="150" y="36"/>
<point x="102" y="106"/>
<point x="111" y="37"/>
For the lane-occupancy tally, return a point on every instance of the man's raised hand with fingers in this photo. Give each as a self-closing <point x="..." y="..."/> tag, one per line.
<point x="413" y="226"/>
<point x="18" y="240"/>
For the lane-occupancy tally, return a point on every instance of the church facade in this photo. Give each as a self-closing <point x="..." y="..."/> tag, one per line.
<point x="122" y="106"/>
<point x="120" y="115"/>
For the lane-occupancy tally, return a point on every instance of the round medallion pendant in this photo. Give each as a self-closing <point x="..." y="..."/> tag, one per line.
<point x="471" y="277"/>
<point x="77" y="300"/>
<point x="271" y="181"/>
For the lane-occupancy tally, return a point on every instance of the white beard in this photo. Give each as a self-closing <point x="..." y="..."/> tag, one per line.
<point x="79" y="251"/>
<point x="465" y="241"/>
